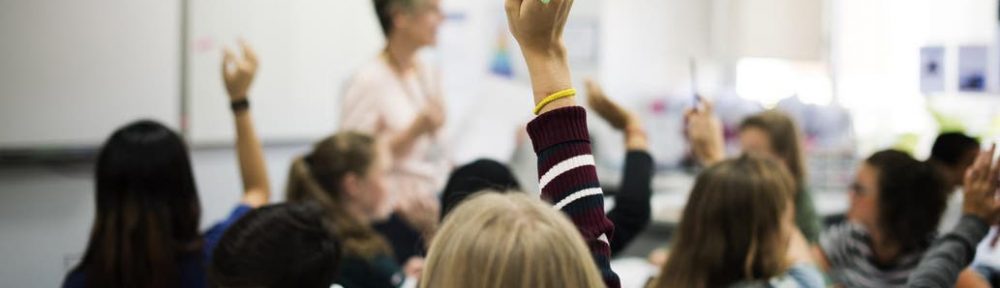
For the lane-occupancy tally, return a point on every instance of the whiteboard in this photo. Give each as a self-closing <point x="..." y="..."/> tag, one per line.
<point x="308" y="49"/>
<point x="73" y="71"/>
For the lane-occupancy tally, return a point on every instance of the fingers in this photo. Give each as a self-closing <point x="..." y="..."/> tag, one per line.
<point x="513" y="8"/>
<point x="563" y="15"/>
<point x="228" y="61"/>
<point x="707" y="105"/>
<point x="994" y="168"/>
<point x="591" y="85"/>
<point x="248" y="53"/>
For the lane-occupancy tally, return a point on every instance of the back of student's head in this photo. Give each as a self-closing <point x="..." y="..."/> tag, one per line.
<point x="147" y="209"/>
<point x="732" y="226"/>
<point x="508" y="240"/>
<point x="785" y="140"/>
<point x="953" y="153"/>
<point x="283" y="245"/>
<point x="481" y="175"/>
<point x="320" y="177"/>
<point x="912" y="196"/>
<point x="952" y="148"/>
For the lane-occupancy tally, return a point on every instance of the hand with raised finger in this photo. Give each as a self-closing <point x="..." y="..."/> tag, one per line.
<point x="238" y="72"/>
<point x="980" y="185"/>
<point x="618" y="117"/>
<point x="705" y="133"/>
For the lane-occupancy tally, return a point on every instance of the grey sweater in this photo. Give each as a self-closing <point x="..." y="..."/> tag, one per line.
<point x="950" y="254"/>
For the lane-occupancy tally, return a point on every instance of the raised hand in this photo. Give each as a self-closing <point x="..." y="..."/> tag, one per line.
<point x="981" y="188"/>
<point x="538" y="25"/>
<point x="705" y="133"/>
<point x="538" y="28"/>
<point x="618" y="117"/>
<point x="238" y="72"/>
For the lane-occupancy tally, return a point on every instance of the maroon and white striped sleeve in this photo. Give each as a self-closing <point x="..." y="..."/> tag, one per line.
<point x="568" y="179"/>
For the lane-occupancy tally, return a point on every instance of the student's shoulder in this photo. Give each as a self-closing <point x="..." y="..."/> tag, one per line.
<point x="74" y="279"/>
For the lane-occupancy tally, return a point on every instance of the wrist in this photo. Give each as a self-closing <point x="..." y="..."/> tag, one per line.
<point x="239" y="105"/>
<point x="549" y="74"/>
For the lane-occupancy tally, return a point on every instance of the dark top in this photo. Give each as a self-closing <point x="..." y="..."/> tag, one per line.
<point x="192" y="266"/>
<point x="805" y="216"/>
<point x="631" y="213"/>
<point x="379" y="272"/>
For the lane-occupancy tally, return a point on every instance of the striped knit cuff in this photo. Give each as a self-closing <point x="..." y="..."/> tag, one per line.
<point x="558" y="126"/>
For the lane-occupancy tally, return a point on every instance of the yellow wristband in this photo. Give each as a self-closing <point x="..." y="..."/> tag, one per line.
<point x="552" y="98"/>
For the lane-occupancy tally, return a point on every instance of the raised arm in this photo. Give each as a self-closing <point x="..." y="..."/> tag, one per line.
<point x="942" y="264"/>
<point x="238" y="74"/>
<point x="705" y="133"/>
<point x="568" y="178"/>
<point x="632" y="210"/>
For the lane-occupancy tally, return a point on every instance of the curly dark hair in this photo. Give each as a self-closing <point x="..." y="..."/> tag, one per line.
<point x="912" y="197"/>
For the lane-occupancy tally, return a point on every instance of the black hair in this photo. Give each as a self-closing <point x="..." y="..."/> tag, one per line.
<point x="147" y="210"/>
<point x="949" y="148"/>
<point x="282" y="245"/>
<point x="912" y="197"/>
<point x="473" y="178"/>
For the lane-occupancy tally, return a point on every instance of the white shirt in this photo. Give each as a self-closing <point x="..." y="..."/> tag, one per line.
<point x="380" y="102"/>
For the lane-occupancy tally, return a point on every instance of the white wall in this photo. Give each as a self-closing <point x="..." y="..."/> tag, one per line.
<point x="47" y="211"/>
<point x="875" y="52"/>
<point x="72" y="71"/>
<point x="308" y="50"/>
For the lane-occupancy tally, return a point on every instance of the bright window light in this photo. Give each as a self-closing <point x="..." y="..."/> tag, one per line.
<point x="769" y="80"/>
<point x="765" y="80"/>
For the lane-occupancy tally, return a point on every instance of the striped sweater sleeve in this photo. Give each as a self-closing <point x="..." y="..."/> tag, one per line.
<point x="950" y="254"/>
<point x="568" y="180"/>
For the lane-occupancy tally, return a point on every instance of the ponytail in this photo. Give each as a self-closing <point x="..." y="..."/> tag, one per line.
<point x="317" y="178"/>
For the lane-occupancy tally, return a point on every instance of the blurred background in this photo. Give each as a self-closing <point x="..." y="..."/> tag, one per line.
<point x="858" y="75"/>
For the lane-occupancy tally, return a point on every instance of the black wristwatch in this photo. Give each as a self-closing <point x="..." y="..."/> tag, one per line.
<point x="239" y="105"/>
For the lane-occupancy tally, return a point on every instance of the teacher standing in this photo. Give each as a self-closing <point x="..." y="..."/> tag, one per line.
<point x="398" y="100"/>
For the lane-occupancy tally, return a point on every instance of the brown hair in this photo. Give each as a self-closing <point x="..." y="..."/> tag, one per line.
<point x="786" y="141"/>
<point x="318" y="177"/>
<point x="731" y="229"/>
<point x="508" y="240"/>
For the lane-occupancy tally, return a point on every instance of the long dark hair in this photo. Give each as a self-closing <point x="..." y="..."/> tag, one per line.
<point x="147" y="210"/>
<point x="283" y="245"/>
<point x="912" y="197"/>
<point x="731" y="227"/>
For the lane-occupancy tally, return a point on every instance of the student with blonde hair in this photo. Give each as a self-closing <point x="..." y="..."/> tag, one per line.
<point x="567" y="177"/>
<point x="518" y="241"/>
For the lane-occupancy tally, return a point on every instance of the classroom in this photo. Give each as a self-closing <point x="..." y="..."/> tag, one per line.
<point x="499" y="143"/>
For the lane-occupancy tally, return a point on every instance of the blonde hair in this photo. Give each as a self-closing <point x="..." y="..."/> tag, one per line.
<point x="318" y="177"/>
<point x="508" y="240"/>
<point x="731" y="229"/>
